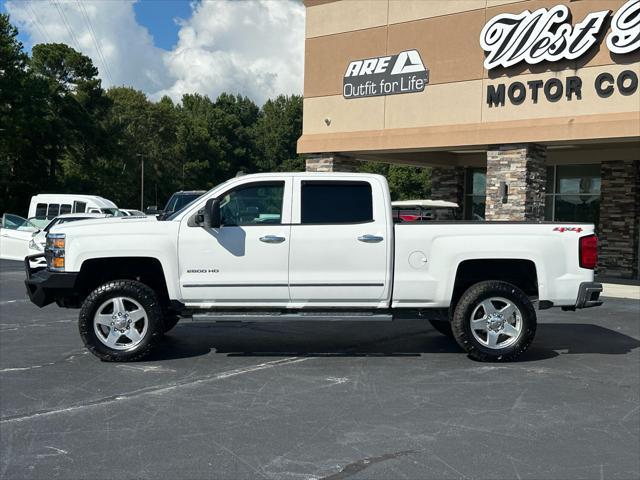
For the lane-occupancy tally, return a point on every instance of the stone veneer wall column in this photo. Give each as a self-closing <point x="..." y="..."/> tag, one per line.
<point x="619" y="218"/>
<point x="523" y="169"/>
<point x="447" y="183"/>
<point x="331" y="163"/>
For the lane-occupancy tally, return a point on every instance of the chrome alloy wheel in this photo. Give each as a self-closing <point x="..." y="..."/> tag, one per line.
<point x="496" y="323"/>
<point x="120" y="323"/>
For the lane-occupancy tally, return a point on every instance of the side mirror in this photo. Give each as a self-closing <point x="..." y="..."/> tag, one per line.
<point x="152" y="210"/>
<point x="212" y="213"/>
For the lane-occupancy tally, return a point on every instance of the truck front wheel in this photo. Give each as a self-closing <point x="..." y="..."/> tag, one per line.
<point x="494" y="321"/>
<point x="121" y="320"/>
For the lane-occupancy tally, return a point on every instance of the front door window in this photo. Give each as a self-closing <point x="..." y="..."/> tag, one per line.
<point x="256" y="204"/>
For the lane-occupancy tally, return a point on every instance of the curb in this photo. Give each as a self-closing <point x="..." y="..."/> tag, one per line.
<point x="613" y="290"/>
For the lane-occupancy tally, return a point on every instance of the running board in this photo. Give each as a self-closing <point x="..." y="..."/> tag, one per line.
<point x="324" y="316"/>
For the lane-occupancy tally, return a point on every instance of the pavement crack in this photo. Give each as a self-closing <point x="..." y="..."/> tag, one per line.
<point x="152" y="390"/>
<point x="358" y="466"/>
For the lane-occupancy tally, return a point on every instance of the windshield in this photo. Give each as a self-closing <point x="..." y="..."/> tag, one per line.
<point x="180" y="200"/>
<point x="173" y="215"/>
<point x="113" y="211"/>
<point x="196" y="197"/>
<point x="15" y="222"/>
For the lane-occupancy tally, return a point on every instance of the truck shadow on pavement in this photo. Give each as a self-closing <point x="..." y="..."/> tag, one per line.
<point x="364" y="339"/>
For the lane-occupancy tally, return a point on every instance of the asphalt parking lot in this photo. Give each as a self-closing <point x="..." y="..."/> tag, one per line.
<point x="321" y="401"/>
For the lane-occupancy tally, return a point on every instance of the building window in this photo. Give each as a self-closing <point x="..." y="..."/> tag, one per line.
<point x="475" y="193"/>
<point x="53" y="210"/>
<point x="573" y="193"/>
<point x="41" y="211"/>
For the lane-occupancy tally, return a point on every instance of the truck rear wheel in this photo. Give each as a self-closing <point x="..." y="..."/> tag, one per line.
<point x="494" y="321"/>
<point x="120" y="321"/>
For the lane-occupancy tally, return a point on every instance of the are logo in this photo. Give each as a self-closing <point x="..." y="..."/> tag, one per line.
<point x="389" y="75"/>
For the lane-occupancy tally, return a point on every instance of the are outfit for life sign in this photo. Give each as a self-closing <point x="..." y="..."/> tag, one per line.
<point x="388" y="75"/>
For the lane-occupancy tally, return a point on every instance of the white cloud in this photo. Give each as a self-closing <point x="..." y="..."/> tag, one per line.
<point x="255" y="47"/>
<point x="126" y="47"/>
<point x="251" y="47"/>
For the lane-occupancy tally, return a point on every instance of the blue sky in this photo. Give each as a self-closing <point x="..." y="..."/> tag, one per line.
<point x="173" y="47"/>
<point x="160" y="17"/>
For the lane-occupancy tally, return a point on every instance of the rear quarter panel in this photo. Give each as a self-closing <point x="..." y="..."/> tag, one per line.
<point x="553" y="248"/>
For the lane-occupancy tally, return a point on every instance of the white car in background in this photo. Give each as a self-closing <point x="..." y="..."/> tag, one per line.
<point x="128" y="212"/>
<point x="38" y="239"/>
<point x="15" y="233"/>
<point x="422" y="210"/>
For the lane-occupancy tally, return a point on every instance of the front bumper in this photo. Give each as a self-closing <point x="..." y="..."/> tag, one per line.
<point x="45" y="287"/>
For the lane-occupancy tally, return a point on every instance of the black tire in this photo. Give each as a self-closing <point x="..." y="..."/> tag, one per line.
<point x="442" y="326"/>
<point x="472" y="298"/>
<point x="137" y="291"/>
<point x="170" y="321"/>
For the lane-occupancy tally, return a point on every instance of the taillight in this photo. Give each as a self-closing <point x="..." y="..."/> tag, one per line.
<point x="589" y="252"/>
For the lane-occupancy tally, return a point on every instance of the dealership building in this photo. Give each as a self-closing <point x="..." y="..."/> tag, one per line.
<point x="524" y="109"/>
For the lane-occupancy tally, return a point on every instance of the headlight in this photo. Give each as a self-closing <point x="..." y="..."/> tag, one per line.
<point x="34" y="246"/>
<point x="54" y="251"/>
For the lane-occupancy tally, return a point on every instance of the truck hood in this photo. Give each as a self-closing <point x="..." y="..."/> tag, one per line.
<point x="121" y="226"/>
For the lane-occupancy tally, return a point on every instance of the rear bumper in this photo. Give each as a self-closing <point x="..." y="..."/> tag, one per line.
<point x="45" y="287"/>
<point x="588" y="296"/>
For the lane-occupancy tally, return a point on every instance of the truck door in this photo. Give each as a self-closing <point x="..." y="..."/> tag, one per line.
<point x="246" y="260"/>
<point x="340" y="243"/>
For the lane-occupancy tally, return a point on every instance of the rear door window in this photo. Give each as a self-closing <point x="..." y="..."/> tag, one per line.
<point x="336" y="202"/>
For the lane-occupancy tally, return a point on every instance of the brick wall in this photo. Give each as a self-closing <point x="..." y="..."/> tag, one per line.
<point x="331" y="163"/>
<point x="619" y="217"/>
<point x="523" y="169"/>
<point x="448" y="184"/>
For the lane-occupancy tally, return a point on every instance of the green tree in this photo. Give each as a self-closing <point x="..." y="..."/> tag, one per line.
<point x="276" y="134"/>
<point x="141" y="131"/>
<point x="77" y="106"/>
<point x="198" y="149"/>
<point x="23" y="129"/>
<point x="234" y="120"/>
<point x="405" y="182"/>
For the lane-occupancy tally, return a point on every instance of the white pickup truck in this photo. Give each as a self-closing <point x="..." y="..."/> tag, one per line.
<point x="311" y="246"/>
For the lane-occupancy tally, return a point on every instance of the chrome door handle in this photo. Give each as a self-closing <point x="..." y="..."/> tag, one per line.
<point x="272" y="239"/>
<point x="370" y="238"/>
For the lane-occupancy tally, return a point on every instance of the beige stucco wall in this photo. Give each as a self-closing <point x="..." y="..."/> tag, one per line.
<point x="446" y="33"/>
